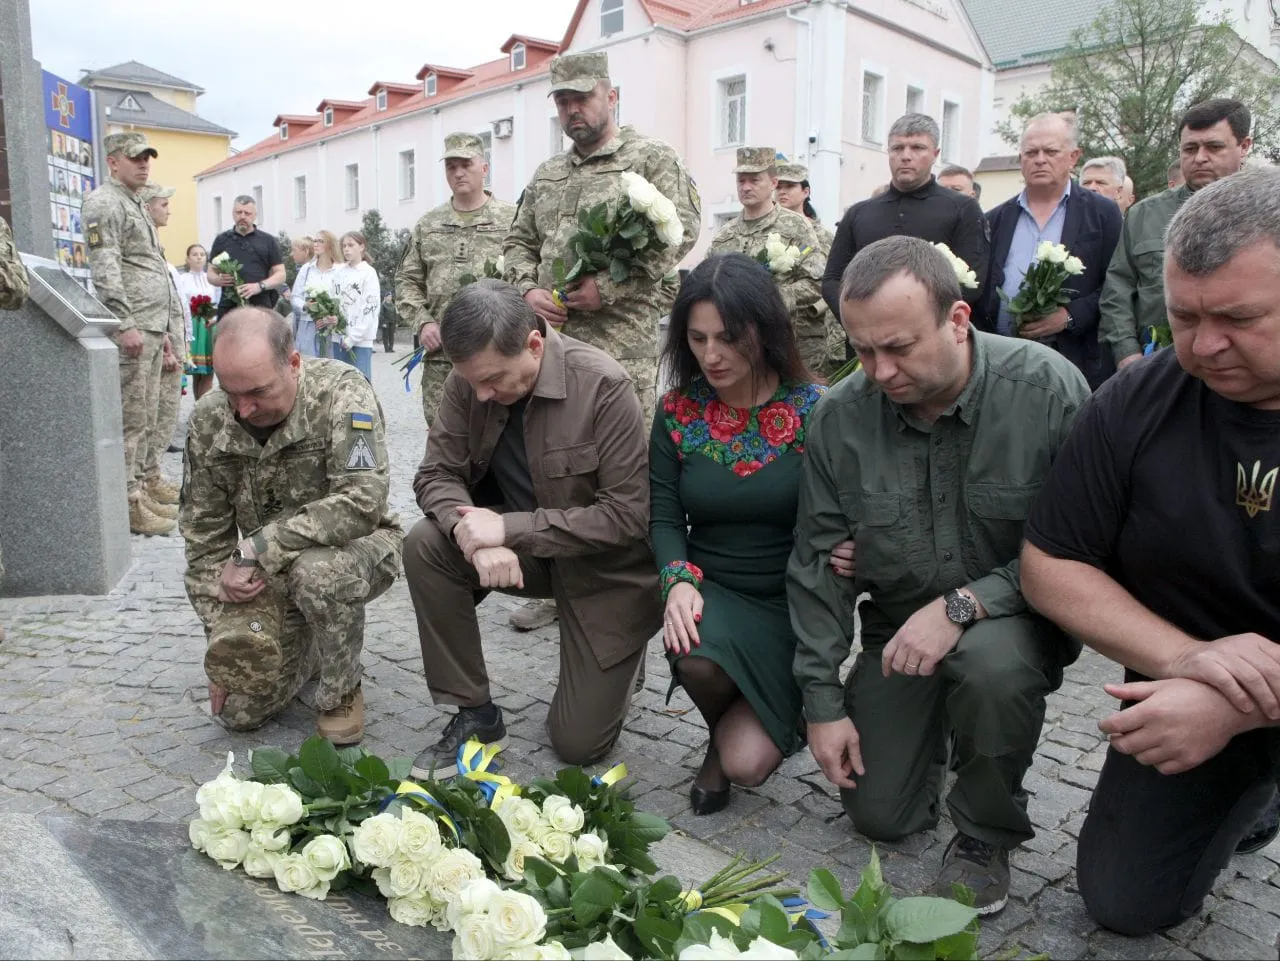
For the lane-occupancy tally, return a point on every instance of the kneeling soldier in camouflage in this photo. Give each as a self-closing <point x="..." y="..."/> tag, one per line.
<point x="284" y="512"/>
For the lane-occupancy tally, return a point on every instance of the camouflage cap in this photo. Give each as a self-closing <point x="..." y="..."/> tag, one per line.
<point x="150" y="191"/>
<point x="754" y="160"/>
<point x="579" y="72"/>
<point x="244" y="655"/>
<point x="793" y="173"/>
<point x="130" y="143"/>
<point x="463" y="146"/>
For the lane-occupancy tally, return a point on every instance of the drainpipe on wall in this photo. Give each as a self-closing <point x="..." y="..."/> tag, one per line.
<point x="806" y="135"/>
<point x="377" y="177"/>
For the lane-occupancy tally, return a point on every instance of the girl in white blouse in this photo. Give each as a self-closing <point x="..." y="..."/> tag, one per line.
<point x="193" y="282"/>
<point x="360" y="295"/>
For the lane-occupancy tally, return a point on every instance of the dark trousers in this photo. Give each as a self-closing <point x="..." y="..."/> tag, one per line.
<point x="590" y="702"/>
<point x="1153" y="844"/>
<point x="989" y="694"/>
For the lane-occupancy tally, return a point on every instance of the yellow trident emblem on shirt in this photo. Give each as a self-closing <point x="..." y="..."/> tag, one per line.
<point x="1252" y="494"/>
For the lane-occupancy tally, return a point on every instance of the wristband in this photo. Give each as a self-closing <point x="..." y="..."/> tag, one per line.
<point x="678" y="572"/>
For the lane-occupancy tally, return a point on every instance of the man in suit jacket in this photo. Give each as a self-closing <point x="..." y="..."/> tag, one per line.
<point x="1052" y="208"/>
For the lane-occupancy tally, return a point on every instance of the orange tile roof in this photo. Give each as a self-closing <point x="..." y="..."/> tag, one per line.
<point x="393" y="87"/>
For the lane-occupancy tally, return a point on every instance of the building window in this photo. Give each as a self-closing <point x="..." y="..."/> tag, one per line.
<point x="408" y="187"/>
<point x="353" y="186"/>
<point x="517" y="57"/>
<point x="915" y="100"/>
<point x="610" y="17"/>
<point x="382" y="100"/>
<point x="328" y="116"/>
<point x="733" y="111"/>
<point x="129" y="103"/>
<point x="871" y="87"/>
<point x="257" y="198"/>
<point x="486" y="138"/>
<point x="557" y="137"/>
<point x="284" y="131"/>
<point x="430" y="88"/>
<point x="950" y="123"/>
<point x="300" y="198"/>
<point x="217" y="214"/>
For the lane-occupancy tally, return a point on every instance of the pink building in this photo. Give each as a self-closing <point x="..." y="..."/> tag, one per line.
<point x="819" y="80"/>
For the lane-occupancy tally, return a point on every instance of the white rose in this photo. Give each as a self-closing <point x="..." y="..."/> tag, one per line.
<point x="557" y="846"/>
<point x="315" y="288"/>
<point x="474" y="898"/>
<point x="720" y="947"/>
<point x="199" y="831"/>
<point x="407" y="878"/>
<point x="763" y="950"/>
<point x="227" y="847"/>
<point x="219" y="800"/>
<point x="251" y="801"/>
<point x="540" y="830"/>
<point x="551" y="951"/>
<point x="260" y="863"/>
<point x="591" y="851"/>
<point x="419" y="836"/>
<point x="606" y="950"/>
<point x="664" y="211"/>
<point x="1073" y="265"/>
<point x="451" y="871"/>
<point x="520" y="815"/>
<point x="563" y="815"/>
<point x="521" y="848"/>
<point x="294" y="873"/>
<point x="517" y="919"/>
<point x="474" y="939"/>
<point x="327" y="856"/>
<point x="382" y="878"/>
<point x="1054" y="253"/>
<point x="269" y="838"/>
<point x="642" y="194"/>
<point x="670" y="232"/>
<point x="376" y="840"/>
<point x="968" y="278"/>
<point x="417" y="912"/>
<point x="773" y="245"/>
<point x="222" y="258"/>
<point x="280" y="806"/>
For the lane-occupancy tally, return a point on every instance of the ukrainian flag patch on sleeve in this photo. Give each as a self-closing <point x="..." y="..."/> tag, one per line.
<point x="362" y="422"/>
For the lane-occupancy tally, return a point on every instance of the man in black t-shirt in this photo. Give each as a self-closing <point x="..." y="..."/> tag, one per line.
<point x="1156" y="541"/>
<point x="257" y="252"/>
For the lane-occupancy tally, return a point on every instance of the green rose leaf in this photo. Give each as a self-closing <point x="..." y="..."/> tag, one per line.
<point x="618" y="270"/>
<point x="307" y="787"/>
<point x="923" y="920"/>
<point x="398" y="769"/>
<point x="863" y="952"/>
<point x="657" y="935"/>
<point x="271" y="765"/>
<point x="374" y="770"/>
<point x="665" y="889"/>
<point x="958" y="946"/>
<point x="595" y="897"/>
<point x="824" y="890"/>
<point x="319" y="761"/>
<point x="492" y="834"/>
<point x="539" y="873"/>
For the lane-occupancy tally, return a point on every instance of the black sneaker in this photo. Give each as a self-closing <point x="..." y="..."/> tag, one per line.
<point x="1264" y="831"/>
<point x="981" y="867"/>
<point x="469" y="722"/>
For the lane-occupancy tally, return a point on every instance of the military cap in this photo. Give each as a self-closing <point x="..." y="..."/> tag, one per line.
<point x="755" y="160"/>
<point x="150" y="191"/>
<point x="463" y="146"/>
<point x="579" y="72"/>
<point x="793" y="173"/>
<point x="131" y="144"/>
<point x="244" y="655"/>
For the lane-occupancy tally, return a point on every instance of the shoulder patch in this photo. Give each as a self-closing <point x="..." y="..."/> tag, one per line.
<point x="360" y="456"/>
<point x="362" y="421"/>
<point x="92" y="236"/>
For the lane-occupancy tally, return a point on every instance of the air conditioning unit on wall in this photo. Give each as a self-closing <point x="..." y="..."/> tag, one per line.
<point x="502" y="128"/>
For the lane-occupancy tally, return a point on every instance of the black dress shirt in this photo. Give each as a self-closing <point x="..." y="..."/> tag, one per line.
<point x="257" y="252"/>
<point x="932" y="213"/>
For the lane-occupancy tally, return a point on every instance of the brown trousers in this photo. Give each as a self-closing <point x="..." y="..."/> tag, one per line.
<point x="590" y="703"/>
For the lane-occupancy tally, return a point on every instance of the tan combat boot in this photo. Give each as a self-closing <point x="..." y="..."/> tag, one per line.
<point x="167" y="511"/>
<point x="160" y="490"/>
<point x="142" y="521"/>
<point x="345" y="723"/>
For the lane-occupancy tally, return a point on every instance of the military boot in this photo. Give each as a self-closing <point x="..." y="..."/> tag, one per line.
<point x="168" y="511"/>
<point x="142" y="521"/>
<point x="160" y="490"/>
<point x="343" y="724"/>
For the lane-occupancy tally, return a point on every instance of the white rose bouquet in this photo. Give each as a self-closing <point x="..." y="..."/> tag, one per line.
<point x="318" y="301"/>
<point x="1043" y="287"/>
<point x="780" y="257"/>
<point x="224" y="264"/>
<point x="611" y="238"/>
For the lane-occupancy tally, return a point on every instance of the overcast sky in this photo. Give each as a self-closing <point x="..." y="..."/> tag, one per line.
<point x="273" y="58"/>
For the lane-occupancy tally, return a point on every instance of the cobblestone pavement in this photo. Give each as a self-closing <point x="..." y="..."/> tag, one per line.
<point x="103" y="711"/>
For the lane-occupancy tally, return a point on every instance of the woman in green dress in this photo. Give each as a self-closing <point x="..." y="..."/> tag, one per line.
<point x="725" y="463"/>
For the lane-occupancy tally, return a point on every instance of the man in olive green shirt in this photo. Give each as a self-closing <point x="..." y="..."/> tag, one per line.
<point x="920" y="470"/>
<point x="1213" y="143"/>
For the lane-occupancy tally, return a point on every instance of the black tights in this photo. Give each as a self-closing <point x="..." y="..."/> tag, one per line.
<point x="739" y="750"/>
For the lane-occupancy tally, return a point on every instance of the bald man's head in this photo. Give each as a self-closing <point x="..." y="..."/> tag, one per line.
<point x="256" y="365"/>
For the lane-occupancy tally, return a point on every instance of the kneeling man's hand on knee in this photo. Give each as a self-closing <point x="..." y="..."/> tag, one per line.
<point x="837" y="749"/>
<point x="217" y="698"/>
<point x="927" y="637"/>
<point x="498" y="567"/>
<point x="1176" y="725"/>
<point x="479" y="528"/>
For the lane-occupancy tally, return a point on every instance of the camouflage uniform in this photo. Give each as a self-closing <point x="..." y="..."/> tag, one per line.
<point x="626" y="325"/>
<point x="447" y="245"/>
<point x="13" y="283"/>
<point x="170" y="390"/>
<point x="313" y="498"/>
<point x="132" y="280"/>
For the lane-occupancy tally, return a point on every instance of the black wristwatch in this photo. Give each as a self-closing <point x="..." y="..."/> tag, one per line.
<point x="961" y="608"/>
<point x="239" y="559"/>
<point x="1071" y="322"/>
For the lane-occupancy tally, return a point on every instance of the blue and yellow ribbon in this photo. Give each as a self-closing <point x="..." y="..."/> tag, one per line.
<point x="412" y="363"/>
<point x="409" y="791"/>
<point x="478" y="762"/>
<point x="610" y="777"/>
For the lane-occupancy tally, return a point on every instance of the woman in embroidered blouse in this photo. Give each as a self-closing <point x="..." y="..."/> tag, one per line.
<point x="725" y="462"/>
<point x="360" y="295"/>
<point x="192" y="282"/>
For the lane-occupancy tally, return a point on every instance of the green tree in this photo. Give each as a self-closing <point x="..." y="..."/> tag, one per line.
<point x="1131" y="74"/>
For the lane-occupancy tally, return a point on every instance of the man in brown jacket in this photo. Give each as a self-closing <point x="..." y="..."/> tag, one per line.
<point x="535" y="483"/>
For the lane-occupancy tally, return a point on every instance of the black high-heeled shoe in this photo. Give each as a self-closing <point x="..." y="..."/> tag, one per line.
<point x="702" y="801"/>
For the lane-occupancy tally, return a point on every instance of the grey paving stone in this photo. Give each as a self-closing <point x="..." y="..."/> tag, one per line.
<point x="1220" y="941"/>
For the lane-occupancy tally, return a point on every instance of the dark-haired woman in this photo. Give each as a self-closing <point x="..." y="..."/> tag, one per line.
<point x="793" y="193"/>
<point x="192" y="282"/>
<point x="725" y="461"/>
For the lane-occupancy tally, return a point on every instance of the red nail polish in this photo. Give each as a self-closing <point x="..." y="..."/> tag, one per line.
<point x="697" y="618"/>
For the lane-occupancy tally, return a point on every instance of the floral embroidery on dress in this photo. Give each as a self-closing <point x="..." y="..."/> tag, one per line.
<point x="742" y="439"/>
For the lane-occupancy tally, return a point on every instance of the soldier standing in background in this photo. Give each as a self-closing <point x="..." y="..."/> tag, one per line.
<point x="164" y="496"/>
<point x="132" y="280"/>
<point x="619" y="318"/>
<point x="793" y="193"/>
<point x="288" y="535"/>
<point x="450" y="245"/>
<point x="13" y="293"/>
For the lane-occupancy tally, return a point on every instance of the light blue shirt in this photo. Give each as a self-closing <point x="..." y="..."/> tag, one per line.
<point x="1027" y="236"/>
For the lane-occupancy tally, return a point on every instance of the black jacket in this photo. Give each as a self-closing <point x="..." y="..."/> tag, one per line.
<point x="1090" y="232"/>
